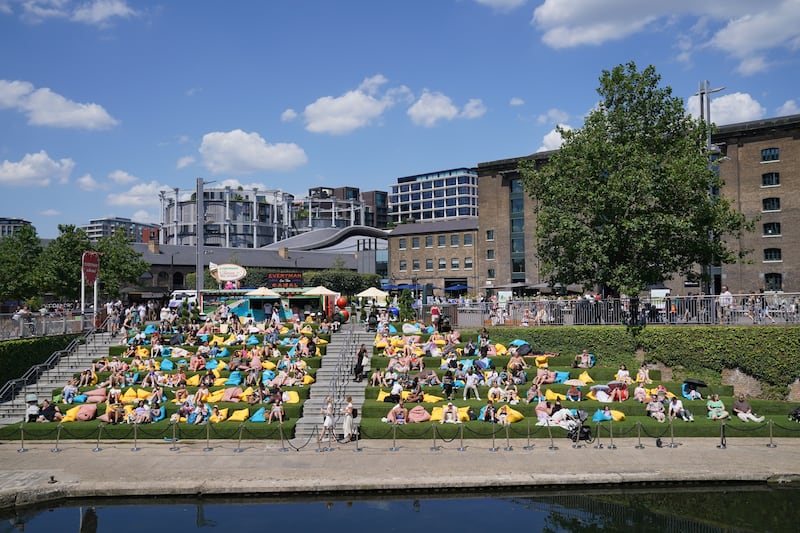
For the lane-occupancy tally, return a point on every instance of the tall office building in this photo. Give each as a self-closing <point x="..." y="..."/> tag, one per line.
<point x="442" y="195"/>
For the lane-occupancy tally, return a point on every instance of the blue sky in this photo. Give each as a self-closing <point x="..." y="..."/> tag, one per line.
<point x="105" y="102"/>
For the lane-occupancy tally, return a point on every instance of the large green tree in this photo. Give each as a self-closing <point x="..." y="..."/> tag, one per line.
<point x="19" y="260"/>
<point x="120" y="264"/>
<point x="625" y="202"/>
<point x="60" y="264"/>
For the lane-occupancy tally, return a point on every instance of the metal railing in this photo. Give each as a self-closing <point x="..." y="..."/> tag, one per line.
<point x="14" y="326"/>
<point x="739" y="309"/>
<point x="12" y="387"/>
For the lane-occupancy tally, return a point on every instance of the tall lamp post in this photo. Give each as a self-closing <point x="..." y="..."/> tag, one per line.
<point x="705" y="93"/>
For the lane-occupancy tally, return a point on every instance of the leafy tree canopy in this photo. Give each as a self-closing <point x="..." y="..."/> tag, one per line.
<point x="61" y="262"/>
<point x="625" y="202"/>
<point x="19" y="258"/>
<point x="120" y="264"/>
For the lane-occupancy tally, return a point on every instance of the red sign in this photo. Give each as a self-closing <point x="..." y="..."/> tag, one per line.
<point x="91" y="266"/>
<point x="284" y="280"/>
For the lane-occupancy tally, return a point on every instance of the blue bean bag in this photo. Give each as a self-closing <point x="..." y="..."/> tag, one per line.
<point x="267" y="375"/>
<point x="561" y="377"/>
<point x="252" y="340"/>
<point x="80" y="398"/>
<point x="600" y="416"/>
<point x="166" y="364"/>
<point x="204" y="337"/>
<point x="392" y="329"/>
<point x="258" y="416"/>
<point x="466" y="362"/>
<point x="517" y="342"/>
<point x="166" y="351"/>
<point x="224" y="352"/>
<point x="211" y="365"/>
<point x="234" y="379"/>
<point x="150" y="329"/>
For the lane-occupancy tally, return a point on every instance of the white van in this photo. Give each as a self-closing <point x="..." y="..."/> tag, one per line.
<point x="178" y="297"/>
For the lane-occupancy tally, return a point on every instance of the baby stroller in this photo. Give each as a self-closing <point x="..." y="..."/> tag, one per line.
<point x="578" y="430"/>
<point x="372" y="323"/>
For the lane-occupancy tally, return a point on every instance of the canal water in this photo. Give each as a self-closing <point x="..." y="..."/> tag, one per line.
<point x="694" y="508"/>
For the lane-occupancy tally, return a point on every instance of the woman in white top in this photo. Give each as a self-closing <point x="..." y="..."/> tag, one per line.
<point x="327" y="419"/>
<point x="348" y="419"/>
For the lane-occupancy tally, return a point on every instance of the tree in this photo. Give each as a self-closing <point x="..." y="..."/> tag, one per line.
<point x="120" y="264"/>
<point x="19" y="262"/>
<point x="625" y="202"/>
<point x="61" y="262"/>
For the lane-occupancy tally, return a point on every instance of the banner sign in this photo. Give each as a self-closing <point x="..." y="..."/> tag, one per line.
<point x="284" y="280"/>
<point x="90" y="263"/>
<point x="227" y="272"/>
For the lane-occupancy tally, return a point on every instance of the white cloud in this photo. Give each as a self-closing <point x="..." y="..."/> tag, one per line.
<point x="193" y="91"/>
<point x="288" y="115"/>
<point x="88" y="183"/>
<point x="146" y="217"/>
<point x="94" y="12"/>
<point x="729" y="109"/>
<point x="140" y="195"/>
<point x="740" y="28"/>
<point x="36" y="170"/>
<point x="238" y="152"/>
<point x="46" y="108"/>
<point x="120" y="177"/>
<point x="235" y="184"/>
<point x="185" y="161"/>
<point x="553" y="116"/>
<point x="474" y="108"/>
<point x="99" y="12"/>
<point x="50" y="213"/>
<point x="789" y="107"/>
<point x="502" y="5"/>
<point x="552" y="140"/>
<point x="515" y="101"/>
<point x="353" y="110"/>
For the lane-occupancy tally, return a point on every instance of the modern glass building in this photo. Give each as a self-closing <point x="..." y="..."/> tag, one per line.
<point x="442" y="195"/>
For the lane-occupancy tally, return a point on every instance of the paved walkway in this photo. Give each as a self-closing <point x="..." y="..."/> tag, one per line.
<point x="39" y="475"/>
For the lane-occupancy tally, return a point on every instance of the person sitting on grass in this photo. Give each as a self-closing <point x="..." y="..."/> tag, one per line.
<point x="489" y="412"/>
<point x="511" y="393"/>
<point x="450" y="414"/>
<point x="49" y="412"/>
<point x="716" y="409"/>
<point x="534" y="394"/>
<point x="276" y="412"/>
<point x="743" y="410"/>
<point x="495" y="393"/>
<point x="574" y="394"/>
<point x="398" y="414"/>
<point x="676" y="410"/>
<point x="655" y="409"/>
<point x="643" y="375"/>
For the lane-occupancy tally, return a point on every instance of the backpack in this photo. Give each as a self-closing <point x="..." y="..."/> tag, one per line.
<point x="355" y="412"/>
<point x="794" y="416"/>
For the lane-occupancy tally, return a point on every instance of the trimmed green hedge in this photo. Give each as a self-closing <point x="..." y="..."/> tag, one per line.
<point x="17" y="356"/>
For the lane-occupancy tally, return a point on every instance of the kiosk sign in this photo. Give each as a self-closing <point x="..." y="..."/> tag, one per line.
<point x="90" y="263"/>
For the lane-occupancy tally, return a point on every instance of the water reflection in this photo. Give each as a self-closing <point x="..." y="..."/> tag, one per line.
<point x="674" y="509"/>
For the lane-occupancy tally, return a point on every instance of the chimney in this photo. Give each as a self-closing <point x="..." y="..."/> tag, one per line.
<point x="283" y="252"/>
<point x="153" y="247"/>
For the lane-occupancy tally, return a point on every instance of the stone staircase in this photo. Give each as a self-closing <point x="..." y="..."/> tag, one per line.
<point x="95" y="347"/>
<point x="335" y="378"/>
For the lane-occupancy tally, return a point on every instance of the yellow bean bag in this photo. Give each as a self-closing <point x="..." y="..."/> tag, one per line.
<point x="247" y="392"/>
<point x="542" y="361"/>
<point x="221" y="365"/>
<point x="268" y="365"/>
<point x="398" y="343"/>
<point x="219" y="339"/>
<point x="654" y="392"/>
<point x="216" y="372"/>
<point x="284" y="330"/>
<point x="71" y="414"/>
<point x="94" y="379"/>
<point x="193" y="381"/>
<point x="130" y="395"/>
<point x="216" y="396"/>
<point x="500" y="349"/>
<point x="585" y="377"/>
<point x="439" y="342"/>
<point x="381" y="344"/>
<point x="553" y="396"/>
<point x="292" y="396"/>
<point x="618" y="416"/>
<point x="308" y="379"/>
<point x="141" y="351"/>
<point x="223" y="414"/>
<point x="157" y="365"/>
<point x="240" y="415"/>
<point x="307" y="330"/>
<point x="430" y="398"/>
<point x="514" y="416"/>
<point x="220" y="381"/>
<point x="322" y="341"/>
<point x="142" y="394"/>
<point x="590" y="396"/>
<point x="436" y="413"/>
<point x="419" y="351"/>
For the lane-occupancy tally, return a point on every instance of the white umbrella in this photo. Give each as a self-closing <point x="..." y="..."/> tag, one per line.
<point x="373" y="292"/>
<point x="320" y="290"/>
<point x="263" y="292"/>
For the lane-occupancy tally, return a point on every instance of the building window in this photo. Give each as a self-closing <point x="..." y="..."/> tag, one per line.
<point x="771" y="179"/>
<point x="772" y="254"/>
<point x="516" y="186"/>
<point x="773" y="281"/>
<point x="772" y="229"/>
<point x="415" y="265"/>
<point x="415" y="243"/>
<point x="517" y="205"/>
<point x="771" y="204"/>
<point x="401" y="244"/>
<point x="467" y="263"/>
<point x="517" y="266"/>
<point x="770" y="154"/>
<point x="490" y="273"/>
<point x="429" y="241"/>
<point x="442" y="264"/>
<point x="468" y="239"/>
<point x="403" y="265"/>
<point x="454" y="239"/>
<point x="454" y="263"/>
<point x="441" y="241"/>
<point x="517" y="225"/>
<point x="429" y="264"/>
<point x="517" y="245"/>
<point x="489" y="234"/>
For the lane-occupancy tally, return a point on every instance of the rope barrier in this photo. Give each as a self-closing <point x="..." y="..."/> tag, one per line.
<point x="550" y="432"/>
<point x="97" y="448"/>
<point x="135" y="437"/>
<point x="461" y="434"/>
<point x="22" y="448"/>
<point x="239" y="448"/>
<point x="208" y="447"/>
<point x="493" y="448"/>
<point x="639" y="445"/>
<point x="357" y="432"/>
<point x="174" y="440"/>
<point x="528" y="445"/>
<point x="56" y="449"/>
<point x="611" y="446"/>
<point x="508" y="447"/>
<point x="434" y="448"/>
<point x="771" y="443"/>
<point x="599" y="445"/>
<point x="722" y="441"/>
<point x="672" y="443"/>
